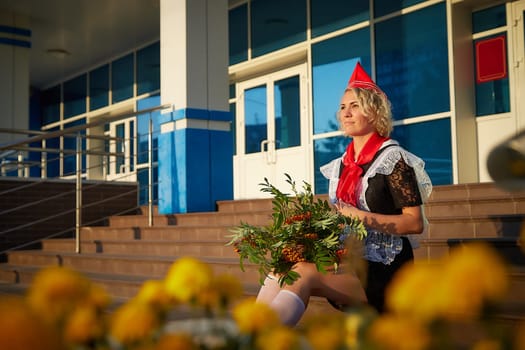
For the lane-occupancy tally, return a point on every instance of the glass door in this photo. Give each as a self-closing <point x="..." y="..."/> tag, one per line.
<point x="122" y="145"/>
<point x="272" y="132"/>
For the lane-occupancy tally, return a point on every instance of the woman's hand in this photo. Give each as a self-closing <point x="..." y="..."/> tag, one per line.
<point x="410" y="221"/>
<point x="348" y="210"/>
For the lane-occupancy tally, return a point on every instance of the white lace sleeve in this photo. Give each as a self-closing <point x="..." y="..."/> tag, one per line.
<point x="331" y="172"/>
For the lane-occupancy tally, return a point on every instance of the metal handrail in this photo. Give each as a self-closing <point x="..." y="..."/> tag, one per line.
<point x="41" y="136"/>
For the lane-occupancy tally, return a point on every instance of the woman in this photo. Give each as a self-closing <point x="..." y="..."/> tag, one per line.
<point x="380" y="183"/>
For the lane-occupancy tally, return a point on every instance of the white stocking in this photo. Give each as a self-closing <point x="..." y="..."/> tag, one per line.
<point x="268" y="290"/>
<point x="289" y="307"/>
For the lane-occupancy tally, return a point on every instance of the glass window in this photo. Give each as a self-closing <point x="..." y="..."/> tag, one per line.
<point x="51" y="105"/>
<point x="99" y="88"/>
<point x="70" y="143"/>
<point x="53" y="158"/>
<point x="143" y="128"/>
<point x="238" y="34"/>
<point x="490" y="18"/>
<point x="232" y="91"/>
<point x="493" y="95"/>
<point x="255" y="116"/>
<point x="432" y="142"/>
<point x="412" y="62"/>
<point x="324" y="151"/>
<point x="287" y="113"/>
<point x="384" y="7"/>
<point x="331" y="69"/>
<point x="331" y="15"/>
<point x="148" y="69"/>
<point x="122" y="78"/>
<point x="143" y="179"/>
<point x="277" y="24"/>
<point x="75" y="93"/>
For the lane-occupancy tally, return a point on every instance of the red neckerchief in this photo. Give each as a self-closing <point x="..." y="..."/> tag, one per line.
<point x="352" y="171"/>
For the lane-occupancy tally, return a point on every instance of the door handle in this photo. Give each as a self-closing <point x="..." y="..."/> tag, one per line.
<point x="265" y="149"/>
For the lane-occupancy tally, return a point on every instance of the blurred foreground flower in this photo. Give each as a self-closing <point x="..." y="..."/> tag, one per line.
<point x="457" y="287"/>
<point x="21" y="328"/>
<point x="187" y="278"/>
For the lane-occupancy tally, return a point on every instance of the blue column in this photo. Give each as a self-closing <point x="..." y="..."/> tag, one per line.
<point x="196" y="149"/>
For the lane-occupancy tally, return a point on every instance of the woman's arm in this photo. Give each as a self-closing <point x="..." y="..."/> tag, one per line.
<point x="410" y="221"/>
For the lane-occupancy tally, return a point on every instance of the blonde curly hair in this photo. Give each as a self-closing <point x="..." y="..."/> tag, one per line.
<point x="377" y="109"/>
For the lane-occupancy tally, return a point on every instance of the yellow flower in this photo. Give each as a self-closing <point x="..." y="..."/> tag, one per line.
<point x="279" y="338"/>
<point x="252" y="317"/>
<point x="412" y="291"/>
<point x="154" y="293"/>
<point x="394" y="332"/>
<point x="98" y="297"/>
<point x="472" y="276"/>
<point x="353" y="324"/>
<point x="176" y="342"/>
<point x="188" y="277"/>
<point x="84" y="326"/>
<point x="326" y="331"/>
<point x="134" y="322"/>
<point x="455" y="288"/>
<point x="55" y="291"/>
<point x="23" y="329"/>
<point x="223" y="290"/>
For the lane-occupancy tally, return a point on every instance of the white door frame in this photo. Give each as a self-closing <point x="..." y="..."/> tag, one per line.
<point x="125" y="171"/>
<point x="272" y="162"/>
<point x="518" y="62"/>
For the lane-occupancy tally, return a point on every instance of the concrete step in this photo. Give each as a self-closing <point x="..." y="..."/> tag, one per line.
<point x="127" y="265"/>
<point x="167" y="233"/>
<point x="194" y="248"/>
<point x="189" y="219"/>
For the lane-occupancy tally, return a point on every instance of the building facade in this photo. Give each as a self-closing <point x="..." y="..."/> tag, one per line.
<point x="254" y="85"/>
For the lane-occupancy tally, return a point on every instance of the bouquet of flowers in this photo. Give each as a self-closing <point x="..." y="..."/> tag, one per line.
<point x="304" y="228"/>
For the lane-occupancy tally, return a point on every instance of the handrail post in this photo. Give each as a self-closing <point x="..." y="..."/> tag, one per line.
<point x="43" y="161"/>
<point x="150" y="171"/>
<point x="78" y="207"/>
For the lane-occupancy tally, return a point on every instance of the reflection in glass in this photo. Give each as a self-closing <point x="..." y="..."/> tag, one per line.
<point x="412" y="62"/>
<point x="70" y="143"/>
<point x="51" y="105"/>
<point x="326" y="15"/>
<point x="384" y="7"/>
<point x="238" y="34"/>
<point x="119" y="147"/>
<point x="331" y="69"/>
<point x="432" y="142"/>
<point x="148" y="68"/>
<point x="75" y="91"/>
<point x="99" y="88"/>
<point x="255" y="118"/>
<point x="325" y="150"/>
<point x="276" y="24"/>
<point x="122" y="78"/>
<point x="490" y="18"/>
<point x="287" y="113"/>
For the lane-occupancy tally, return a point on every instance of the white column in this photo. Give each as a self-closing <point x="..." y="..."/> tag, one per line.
<point x="196" y="143"/>
<point x="15" y="42"/>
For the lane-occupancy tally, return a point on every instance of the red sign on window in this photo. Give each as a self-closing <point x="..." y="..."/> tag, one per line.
<point x="491" y="59"/>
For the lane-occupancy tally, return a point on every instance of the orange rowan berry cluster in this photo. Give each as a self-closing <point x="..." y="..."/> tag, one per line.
<point x="299" y="217"/>
<point x="311" y="235"/>
<point x="293" y="254"/>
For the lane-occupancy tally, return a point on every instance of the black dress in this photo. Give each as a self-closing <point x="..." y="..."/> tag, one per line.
<point x="389" y="194"/>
